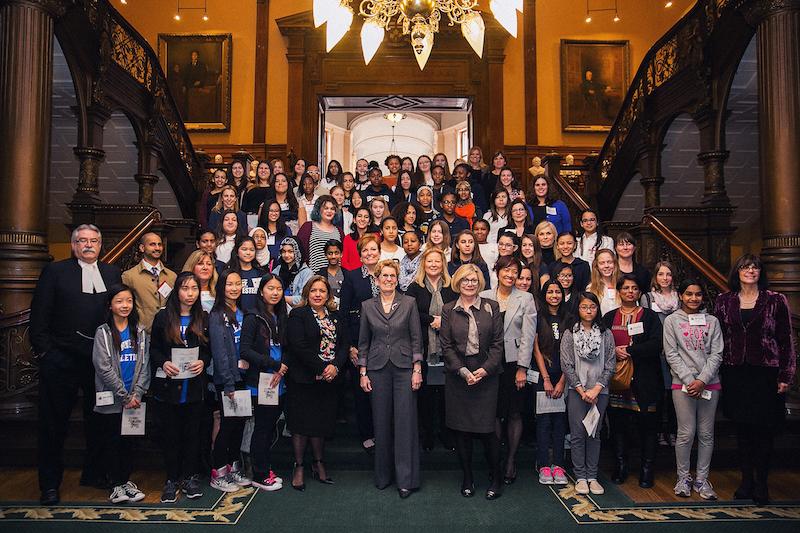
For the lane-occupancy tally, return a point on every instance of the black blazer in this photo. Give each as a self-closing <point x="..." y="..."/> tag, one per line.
<point x="356" y="289"/>
<point x="647" y="384"/>
<point x="303" y="336"/>
<point x="62" y="316"/>
<point x="423" y="298"/>
<point x="170" y="390"/>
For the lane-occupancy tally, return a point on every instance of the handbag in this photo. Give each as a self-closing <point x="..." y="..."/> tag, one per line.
<point x="623" y="375"/>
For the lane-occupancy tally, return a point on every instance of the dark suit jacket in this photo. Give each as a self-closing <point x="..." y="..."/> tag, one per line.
<point x="356" y="289"/>
<point x="454" y="333"/>
<point x="303" y="337"/>
<point x="62" y="316"/>
<point x="423" y="299"/>
<point x="396" y="337"/>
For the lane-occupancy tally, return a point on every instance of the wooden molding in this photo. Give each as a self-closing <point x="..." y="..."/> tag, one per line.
<point x="529" y="56"/>
<point x="261" y="72"/>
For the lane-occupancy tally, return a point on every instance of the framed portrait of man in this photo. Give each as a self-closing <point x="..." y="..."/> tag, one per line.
<point x="198" y="71"/>
<point x="594" y="81"/>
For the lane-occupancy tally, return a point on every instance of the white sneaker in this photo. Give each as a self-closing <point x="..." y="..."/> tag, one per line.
<point x="133" y="492"/>
<point x="220" y="481"/>
<point x="683" y="487"/>
<point x="119" y="495"/>
<point x="705" y="490"/>
<point x="270" y="483"/>
<point x="582" y="487"/>
<point x="236" y="475"/>
<point x="595" y="487"/>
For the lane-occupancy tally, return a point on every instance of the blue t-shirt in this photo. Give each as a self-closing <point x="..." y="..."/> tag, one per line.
<point x="185" y="321"/>
<point x="127" y="358"/>
<point x="250" y="280"/>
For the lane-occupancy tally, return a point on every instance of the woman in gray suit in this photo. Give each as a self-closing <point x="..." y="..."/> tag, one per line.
<point x="519" y="327"/>
<point x="390" y="365"/>
<point x="471" y="339"/>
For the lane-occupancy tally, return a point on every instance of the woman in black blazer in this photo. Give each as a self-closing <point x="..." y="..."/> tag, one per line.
<point x="472" y="346"/>
<point x="318" y="350"/>
<point x="638" y="336"/>
<point x="432" y="279"/>
<point x="390" y="366"/>
<point x="358" y="286"/>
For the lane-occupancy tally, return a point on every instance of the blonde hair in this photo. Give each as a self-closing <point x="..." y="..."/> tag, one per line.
<point x="546" y="224"/>
<point x="387" y="263"/>
<point x="364" y="239"/>
<point x="419" y="277"/>
<point x="192" y="261"/>
<point x="218" y="207"/>
<point x="464" y="271"/>
<point x="597" y="286"/>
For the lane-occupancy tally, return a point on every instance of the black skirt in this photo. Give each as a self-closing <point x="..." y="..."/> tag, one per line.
<point x="510" y="401"/>
<point x="311" y="408"/>
<point x="750" y="396"/>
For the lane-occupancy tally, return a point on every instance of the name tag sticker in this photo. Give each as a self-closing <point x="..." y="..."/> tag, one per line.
<point x="270" y="240"/>
<point x="164" y="289"/>
<point x="104" y="398"/>
<point x="551" y="210"/>
<point x="697" y="320"/>
<point x="611" y="293"/>
<point x="637" y="328"/>
<point x="532" y="376"/>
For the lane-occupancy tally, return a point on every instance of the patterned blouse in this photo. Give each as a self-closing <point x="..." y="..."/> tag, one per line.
<point x="327" y="343"/>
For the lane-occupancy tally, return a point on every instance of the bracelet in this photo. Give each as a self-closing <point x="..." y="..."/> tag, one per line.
<point x="417" y="371"/>
<point x="546" y="378"/>
<point x="363" y="373"/>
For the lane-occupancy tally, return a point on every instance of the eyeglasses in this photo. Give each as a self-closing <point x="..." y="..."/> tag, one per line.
<point x="752" y="268"/>
<point x="469" y="281"/>
<point x="587" y="307"/>
<point x="448" y="202"/>
<point x="505" y="245"/>
<point x="84" y="241"/>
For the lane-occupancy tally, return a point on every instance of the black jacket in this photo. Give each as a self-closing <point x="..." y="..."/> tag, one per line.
<point x="423" y="298"/>
<point x="303" y="336"/>
<point x="170" y="390"/>
<point x="63" y="317"/>
<point x="356" y="289"/>
<point x="647" y="384"/>
<point x="254" y="348"/>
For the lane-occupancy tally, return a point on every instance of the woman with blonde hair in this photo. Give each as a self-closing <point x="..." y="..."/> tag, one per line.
<point x="605" y="273"/>
<point x="227" y="201"/>
<point x="201" y="264"/>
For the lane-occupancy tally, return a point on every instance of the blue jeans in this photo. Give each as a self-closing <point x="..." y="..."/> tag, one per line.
<point x="550" y="431"/>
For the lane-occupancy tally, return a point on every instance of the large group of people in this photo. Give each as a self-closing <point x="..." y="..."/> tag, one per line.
<point x="455" y="305"/>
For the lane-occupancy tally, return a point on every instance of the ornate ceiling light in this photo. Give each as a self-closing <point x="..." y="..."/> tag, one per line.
<point x="418" y="18"/>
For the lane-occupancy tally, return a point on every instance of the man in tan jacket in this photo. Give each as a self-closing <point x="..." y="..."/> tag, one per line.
<point x="150" y="280"/>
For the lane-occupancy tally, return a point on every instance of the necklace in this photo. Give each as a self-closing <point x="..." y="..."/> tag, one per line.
<point x="628" y="313"/>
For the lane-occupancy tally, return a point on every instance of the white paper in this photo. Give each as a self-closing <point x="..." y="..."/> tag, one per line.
<point x="182" y="358"/>
<point x="591" y="421"/>
<point x="160" y="373"/>
<point x="239" y="405"/>
<point x="698" y="319"/>
<point x="549" y="405"/>
<point x="706" y="394"/>
<point x="637" y="328"/>
<point x="532" y="376"/>
<point x="104" y="398"/>
<point x="551" y="210"/>
<point x="164" y="289"/>
<point x="267" y="395"/>
<point x="252" y="221"/>
<point x="133" y="420"/>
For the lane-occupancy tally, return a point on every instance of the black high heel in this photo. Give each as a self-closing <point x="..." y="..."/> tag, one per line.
<point x="302" y="486"/>
<point x="315" y="474"/>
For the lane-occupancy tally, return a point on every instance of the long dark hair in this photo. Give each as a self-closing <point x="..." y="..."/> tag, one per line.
<point x="598" y="318"/>
<point x="197" y="317"/>
<point x="280" y="224"/>
<point x="546" y="337"/>
<point x="219" y="300"/>
<point x="549" y="198"/>
<point x="600" y="231"/>
<point x="574" y="290"/>
<point x="353" y="228"/>
<point x="235" y="263"/>
<point x="219" y="229"/>
<point x="277" y="323"/>
<point x="133" y="318"/>
<point x="291" y="199"/>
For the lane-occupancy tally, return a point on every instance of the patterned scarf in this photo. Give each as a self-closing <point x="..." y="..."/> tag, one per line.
<point x="587" y="343"/>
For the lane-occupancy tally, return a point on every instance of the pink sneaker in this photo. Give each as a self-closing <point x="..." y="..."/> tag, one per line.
<point x="271" y="483"/>
<point x="559" y="476"/>
<point x="545" y="475"/>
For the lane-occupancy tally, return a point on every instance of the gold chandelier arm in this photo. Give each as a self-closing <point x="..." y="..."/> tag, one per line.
<point x="456" y="10"/>
<point x="382" y="11"/>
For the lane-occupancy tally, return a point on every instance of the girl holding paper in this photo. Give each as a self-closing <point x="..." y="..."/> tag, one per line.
<point x="693" y="348"/>
<point x="179" y="403"/>
<point x="587" y="359"/>
<point x="263" y="338"/>
<point x="225" y="329"/>
<point x="122" y="375"/>
<point x="551" y="427"/>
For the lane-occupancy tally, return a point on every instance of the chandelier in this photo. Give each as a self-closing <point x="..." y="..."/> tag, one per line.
<point x="418" y="18"/>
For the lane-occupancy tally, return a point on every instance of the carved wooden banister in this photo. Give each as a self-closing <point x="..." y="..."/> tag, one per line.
<point x="119" y="249"/>
<point x="705" y="268"/>
<point x="573" y="195"/>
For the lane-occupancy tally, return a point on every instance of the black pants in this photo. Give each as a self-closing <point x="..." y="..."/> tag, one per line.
<point x="61" y="376"/>
<point x="755" y="445"/>
<point x="180" y="437"/>
<point x="623" y="421"/>
<point x="363" y="407"/>
<point x="431" y="408"/>
<point x="115" y="449"/>
<point x="266" y="416"/>
<point x="227" y="447"/>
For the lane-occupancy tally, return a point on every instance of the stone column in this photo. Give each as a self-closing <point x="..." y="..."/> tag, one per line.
<point x="26" y="87"/>
<point x="778" y="34"/>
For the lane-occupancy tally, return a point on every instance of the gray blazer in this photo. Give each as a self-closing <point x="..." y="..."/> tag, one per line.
<point x="105" y="356"/>
<point x="396" y="337"/>
<point x="519" y="326"/>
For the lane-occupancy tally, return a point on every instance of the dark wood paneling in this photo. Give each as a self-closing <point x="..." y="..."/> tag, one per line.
<point x="529" y="56"/>
<point x="261" y="72"/>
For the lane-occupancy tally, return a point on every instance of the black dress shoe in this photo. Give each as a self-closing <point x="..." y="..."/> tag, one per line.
<point x="744" y="492"/>
<point x="468" y="491"/>
<point x="49" y="497"/>
<point x="492" y="494"/>
<point x="404" y="493"/>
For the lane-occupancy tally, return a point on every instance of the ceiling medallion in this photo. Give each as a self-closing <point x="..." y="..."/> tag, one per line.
<point x="418" y="18"/>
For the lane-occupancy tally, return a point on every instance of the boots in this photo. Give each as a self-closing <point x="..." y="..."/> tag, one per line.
<point x="647" y="472"/>
<point x="621" y="469"/>
<point x="745" y="490"/>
